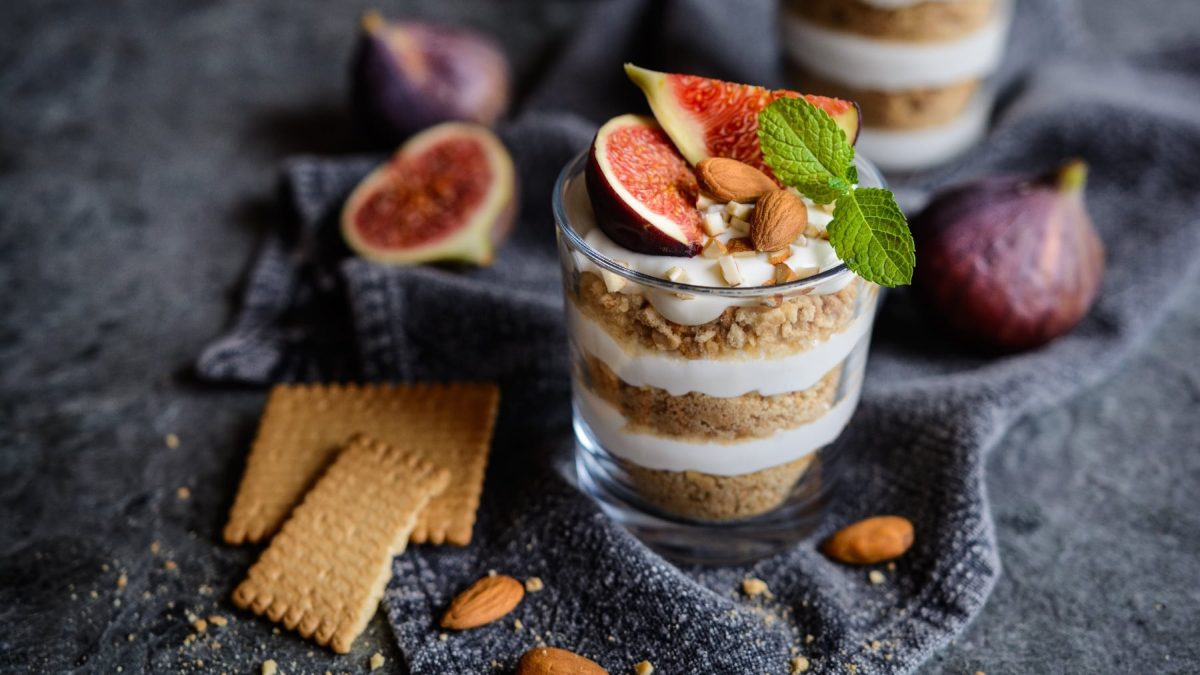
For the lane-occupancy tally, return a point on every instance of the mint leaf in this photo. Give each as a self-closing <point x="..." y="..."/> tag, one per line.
<point x="870" y="234"/>
<point x="805" y="148"/>
<point x="852" y="175"/>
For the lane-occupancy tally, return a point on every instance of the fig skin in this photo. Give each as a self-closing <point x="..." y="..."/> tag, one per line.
<point x="619" y="219"/>
<point x="408" y="76"/>
<point x="1009" y="263"/>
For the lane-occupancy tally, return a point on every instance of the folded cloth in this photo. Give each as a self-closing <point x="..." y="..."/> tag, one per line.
<point x="929" y="412"/>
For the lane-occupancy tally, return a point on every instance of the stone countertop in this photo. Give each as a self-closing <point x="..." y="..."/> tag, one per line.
<point x="138" y="156"/>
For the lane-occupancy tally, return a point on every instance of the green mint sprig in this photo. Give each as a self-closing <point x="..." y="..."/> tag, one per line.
<point x="808" y="151"/>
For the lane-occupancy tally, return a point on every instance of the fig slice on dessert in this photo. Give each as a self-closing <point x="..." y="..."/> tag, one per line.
<point x="447" y="194"/>
<point x="713" y="118"/>
<point x="643" y="191"/>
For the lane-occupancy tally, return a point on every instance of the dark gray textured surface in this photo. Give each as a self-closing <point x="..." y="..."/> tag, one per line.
<point x="137" y="157"/>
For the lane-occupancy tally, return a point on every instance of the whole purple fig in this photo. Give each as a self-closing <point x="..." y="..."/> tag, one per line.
<point x="410" y="76"/>
<point x="1009" y="262"/>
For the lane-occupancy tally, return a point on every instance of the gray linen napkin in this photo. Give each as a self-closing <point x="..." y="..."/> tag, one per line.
<point x="928" y="415"/>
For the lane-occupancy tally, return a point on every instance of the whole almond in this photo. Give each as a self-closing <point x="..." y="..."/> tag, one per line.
<point x="729" y="180"/>
<point x="483" y="602"/>
<point x="870" y="541"/>
<point x="779" y="217"/>
<point x="554" y="661"/>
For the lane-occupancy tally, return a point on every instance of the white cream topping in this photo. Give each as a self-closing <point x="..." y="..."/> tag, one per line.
<point x="723" y="459"/>
<point x="890" y="65"/>
<point x="721" y="378"/>
<point x="914" y="149"/>
<point x="754" y="269"/>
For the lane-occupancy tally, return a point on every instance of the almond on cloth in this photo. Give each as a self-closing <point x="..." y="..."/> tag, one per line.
<point x="483" y="602"/>
<point x="869" y="541"/>
<point x="555" y="661"/>
<point x="779" y="217"/>
<point x="729" y="180"/>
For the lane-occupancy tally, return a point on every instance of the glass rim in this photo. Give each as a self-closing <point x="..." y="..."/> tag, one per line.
<point x="575" y="168"/>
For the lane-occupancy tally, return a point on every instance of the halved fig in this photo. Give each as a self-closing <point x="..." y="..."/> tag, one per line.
<point x="447" y="194"/>
<point x="642" y="190"/>
<point x="713" y="118"/>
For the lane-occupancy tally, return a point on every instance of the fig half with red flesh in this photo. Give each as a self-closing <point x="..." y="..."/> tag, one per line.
<point x="643" y="191"/>
<point x="447" y="194"/>
<point x="714" y="118"/>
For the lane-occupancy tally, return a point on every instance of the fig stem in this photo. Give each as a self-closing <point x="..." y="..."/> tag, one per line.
<point x="1072" y="175"/>
<point x="372" y="21"/>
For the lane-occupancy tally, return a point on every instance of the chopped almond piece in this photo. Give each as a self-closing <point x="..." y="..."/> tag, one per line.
<point x="714" y="249"/>
<point x="776" y="257"/>
<point x="740" y="245"/>
<point x="738" y="210"/>
<point x="713" y="224"/>
<point x="806" y="272"/>
<point x="676" y="274"/>
<point x="784" y="274"/>
<point x="739" y="224"/>
<point x="729" y="270"/>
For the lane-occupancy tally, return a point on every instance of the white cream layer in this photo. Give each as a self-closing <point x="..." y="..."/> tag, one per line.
<point x="720" y="378"/>
<point x="723" y="459"/>
<point x="891" y="65"/>
<point x="698" y="270"/>
<point x="915" y="149"/>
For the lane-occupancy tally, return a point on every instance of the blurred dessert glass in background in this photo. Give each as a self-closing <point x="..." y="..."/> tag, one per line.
<point x="917" y="68"/>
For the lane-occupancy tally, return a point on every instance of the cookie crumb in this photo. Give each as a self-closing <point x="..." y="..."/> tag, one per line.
<point x="644" y="668"/>
<point x="122" y="580"/>
<point x="808" y="639"/>
<point x="443" y="637"/>
<point x="876" y="577"/>
<point x="980" y="672"/>
<point x="170" y="565"/>
<point x="269" y="667"/>
<point x="172" y="441"/>
<point x="183" y="493"/>
<point x="131" y="637"/>
<point x="517" y="625"/>
<point x="218" y="620"/>
<point x="93" y="594"/>
<point x="891" y="567"/>
<point x="377" y="661"/>
<point x="155" y="547"/>
<point x="755" y="587"/>
<point x="534" y="584"/>
<point x="200" y="625"/>
<point x="799" y="665"/>
<point x="852" y="668"/>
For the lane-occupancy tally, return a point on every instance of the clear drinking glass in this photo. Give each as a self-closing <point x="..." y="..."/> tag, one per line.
<point x="706" y="418"/>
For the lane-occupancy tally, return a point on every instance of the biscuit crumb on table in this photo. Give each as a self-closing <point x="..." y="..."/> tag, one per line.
<point x="377" y="661"/>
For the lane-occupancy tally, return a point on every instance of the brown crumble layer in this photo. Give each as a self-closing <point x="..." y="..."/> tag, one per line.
<point x="905" y="109"/>
<point x="706" y="496"/>
<point x="924" y="22"/>
<point x="798" y="322"/>
<point x="707" y="418"/>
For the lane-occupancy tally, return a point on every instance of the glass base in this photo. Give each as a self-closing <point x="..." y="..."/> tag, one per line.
<point x="701" y="542"/>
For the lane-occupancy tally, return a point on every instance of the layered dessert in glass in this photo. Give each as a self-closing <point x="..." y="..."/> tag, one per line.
<point x="712" y="370"/>
<point x="917" y="68"/>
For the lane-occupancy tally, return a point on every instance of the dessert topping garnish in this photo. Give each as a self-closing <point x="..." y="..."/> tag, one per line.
<point x="807" y="150"/>
<point x="729" y="180"/>
<point x="714" y="249"/>
<point x="778" y="219"/>
<point x="729" y="270"/>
